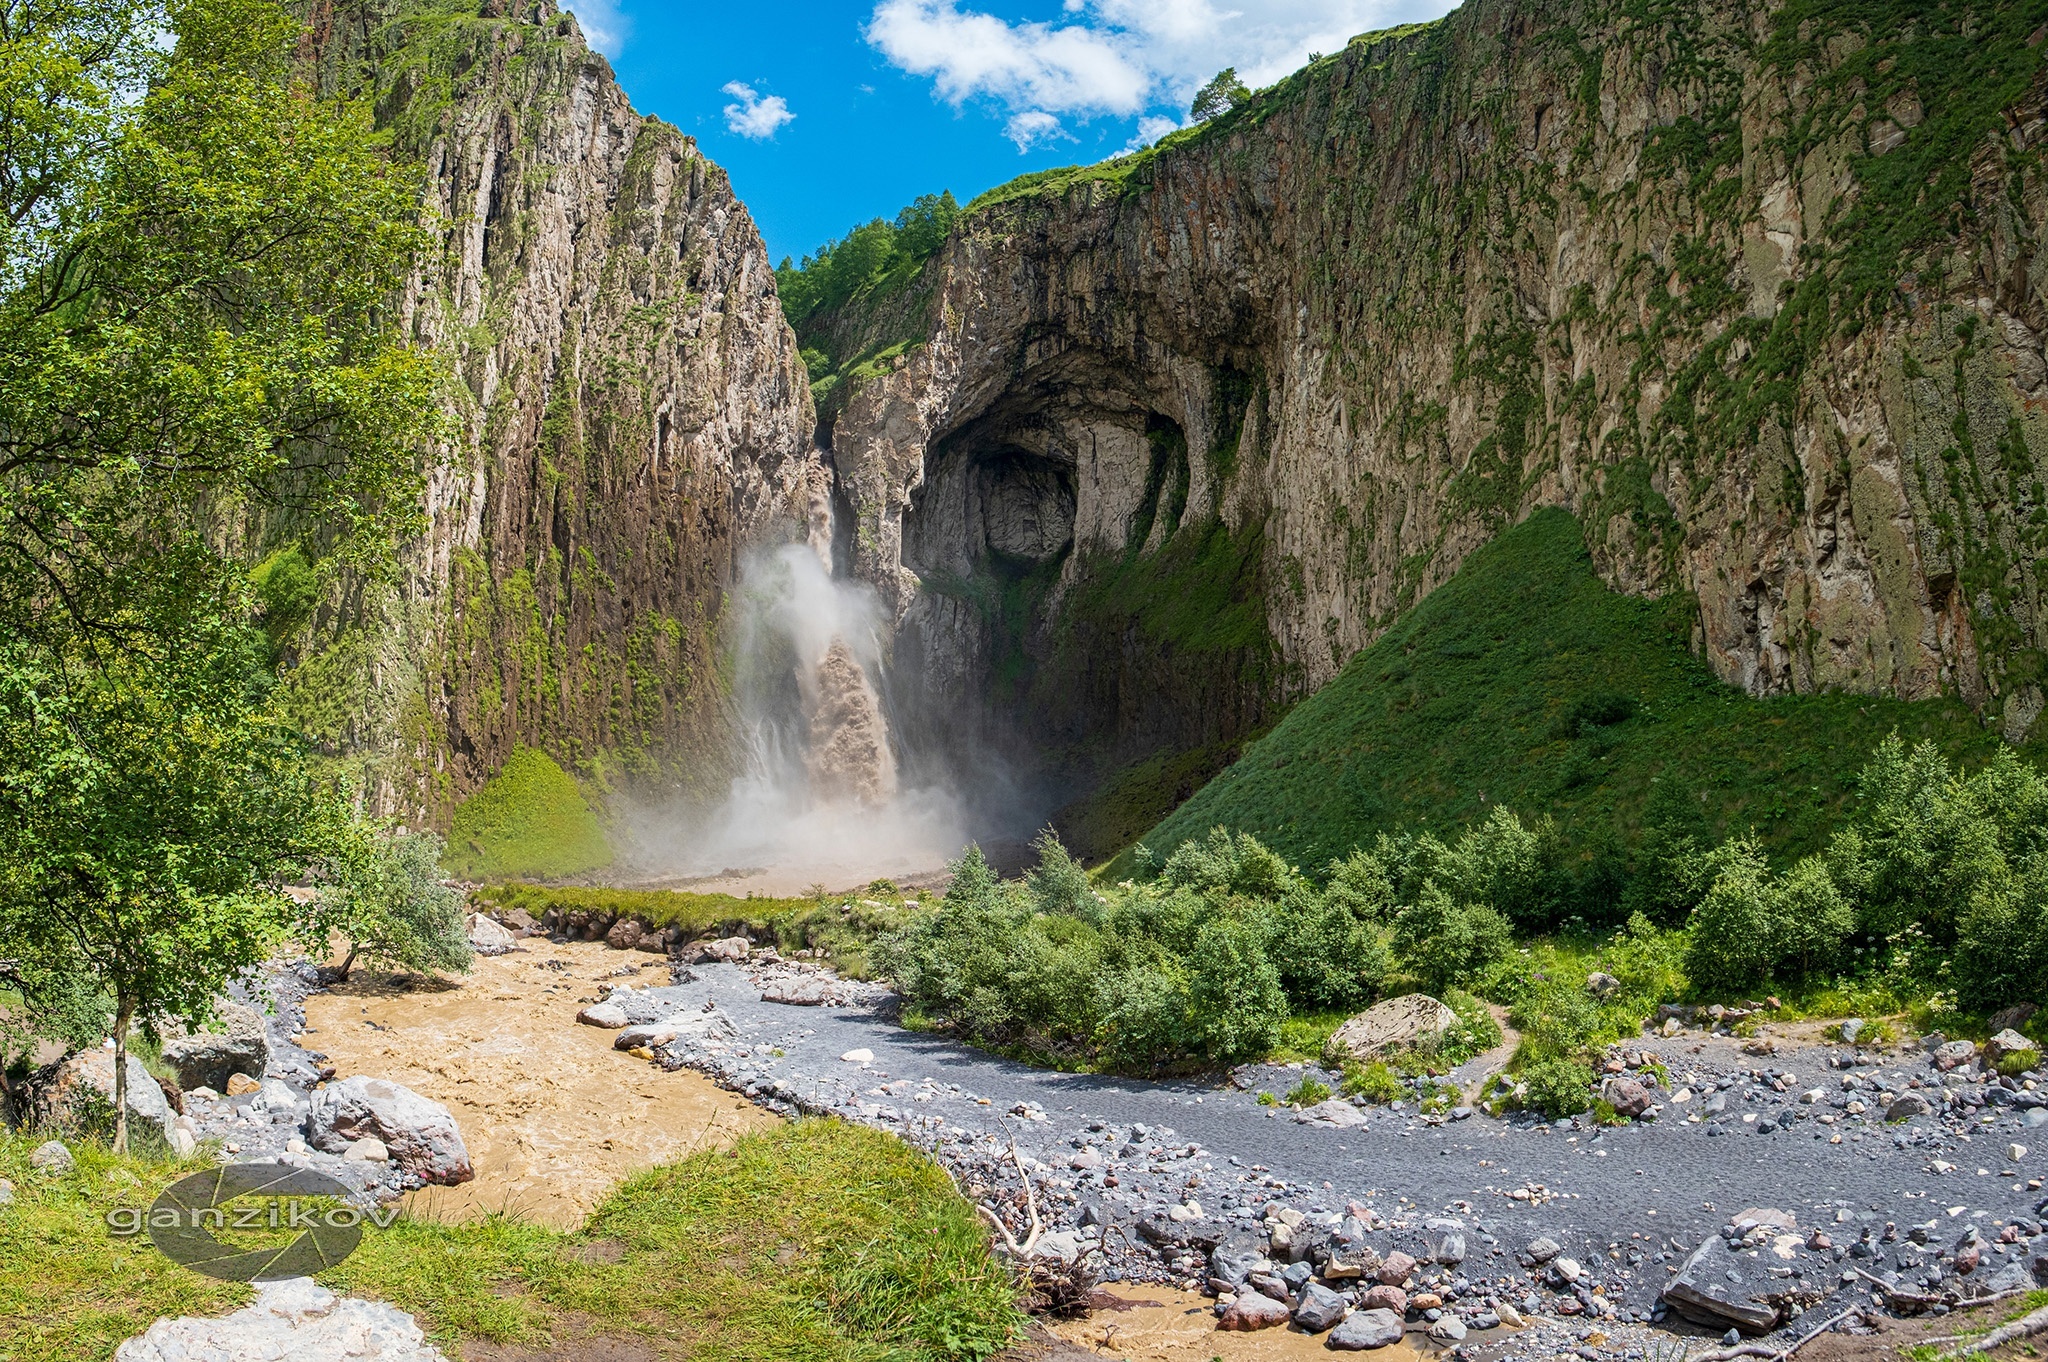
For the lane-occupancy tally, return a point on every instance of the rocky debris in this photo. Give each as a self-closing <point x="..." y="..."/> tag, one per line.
<point x="297" y="1319"/>
<point x="806" y="992"/>
<point x="2006" y="1044"/>
<point x="1367" y="1331"/>
<point x="608" y="1015"/>
<point x="1390" y="1026"/>
<point x="625" y="934"/>
<point x="77" y="1093"/>
<point x="1718" y="1288"/>
<point x="488" y="938"/>
<point x="237" y="1043"/>
<point x="420" y="1134"/>
<point x="54" y="1158"/>
<point x="731" y="949"/>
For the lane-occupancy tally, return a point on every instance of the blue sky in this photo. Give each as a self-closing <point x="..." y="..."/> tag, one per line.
<point x="830" y="112"/>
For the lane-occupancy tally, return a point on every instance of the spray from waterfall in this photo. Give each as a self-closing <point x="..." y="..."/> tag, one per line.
<point x="820" y="797"/>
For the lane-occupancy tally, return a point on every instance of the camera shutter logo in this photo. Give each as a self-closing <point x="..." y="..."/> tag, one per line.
<point x="182" y="1220"/>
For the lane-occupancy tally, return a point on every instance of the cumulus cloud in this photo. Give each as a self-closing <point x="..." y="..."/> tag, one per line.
<point x="1033" y="126"/>
<point x="604" y="27"/>
<point x="1116" y="58"/>
<point x="1150" y="130"/>
<point x="753" y="115"/>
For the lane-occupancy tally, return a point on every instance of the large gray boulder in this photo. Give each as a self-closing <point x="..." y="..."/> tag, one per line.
<point x="1391" y="1026"/>
<point x="2006" y="1044"/>
<point x="1718" y="1288"/>
<point x="489" y="938"/>
<point x="236" y="1043"/>
<point x="77" y="1093"/>
<point x="419" y="1133"/>
<point x="1366" y="1331"/>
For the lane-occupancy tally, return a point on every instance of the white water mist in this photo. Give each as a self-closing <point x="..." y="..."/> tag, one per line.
<point x="819" y="799"/>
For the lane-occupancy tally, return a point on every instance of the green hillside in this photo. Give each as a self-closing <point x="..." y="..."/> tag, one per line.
<point x="1524" y="681"/>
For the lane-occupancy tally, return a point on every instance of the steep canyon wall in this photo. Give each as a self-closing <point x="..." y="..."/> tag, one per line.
<point x="628" y="413"/>
<point x="1152" y="447"/>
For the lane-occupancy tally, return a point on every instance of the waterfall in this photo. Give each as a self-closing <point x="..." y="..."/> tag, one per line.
<point x="819" y="797"/>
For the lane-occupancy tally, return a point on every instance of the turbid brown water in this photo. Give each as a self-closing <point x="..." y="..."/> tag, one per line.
<point x="553" y="1116"/>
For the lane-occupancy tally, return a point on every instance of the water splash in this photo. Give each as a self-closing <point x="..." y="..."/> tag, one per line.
<point x="820" y="798"/>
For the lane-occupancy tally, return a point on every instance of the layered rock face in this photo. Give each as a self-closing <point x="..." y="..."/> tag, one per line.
<point x="628" y="412"/>
<point x="1754" y="292"/>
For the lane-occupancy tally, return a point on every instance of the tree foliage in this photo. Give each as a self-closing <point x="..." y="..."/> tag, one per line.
<point x="1222" y="93"/>
<point x="864" y="256"/>
<point x="383" y="896"/>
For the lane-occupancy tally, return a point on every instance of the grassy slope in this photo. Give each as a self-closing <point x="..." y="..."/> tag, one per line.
<point x="530" y="819"/>
<point x="1469" y="701"/>
<point x="816" y="1241"/>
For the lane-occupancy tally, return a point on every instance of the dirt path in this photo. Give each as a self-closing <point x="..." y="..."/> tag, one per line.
<point x="553" y="1116"/>
<point x="1472" y="1075"/>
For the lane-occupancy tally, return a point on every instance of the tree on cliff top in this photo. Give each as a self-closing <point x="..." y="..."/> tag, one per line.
<point x="1223" y="93"/>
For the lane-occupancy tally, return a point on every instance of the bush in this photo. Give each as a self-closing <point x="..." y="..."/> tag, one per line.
<point x="1375" y="1082"/>
<point x="1329" y="957"/>
<point x="1557" y="1087"/>
<point x="1443" y="942"/>
<point x="387" y="903"/>
<point x="1754" y="926"/>
<point x="530" y="819"/>
<point x="1307" y="1093"/>
<point x="1235" y="1002"/>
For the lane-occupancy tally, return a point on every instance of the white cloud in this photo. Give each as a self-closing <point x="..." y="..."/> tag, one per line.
<point x="1117" y="58"/>
<point x="1150" y="130"/>
<point x="754" y="116"/>
<point x="604" y="26"/>
<point x="1033" y="126"/>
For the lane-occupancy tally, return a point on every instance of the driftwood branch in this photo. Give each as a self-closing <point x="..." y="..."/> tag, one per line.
<point x="1030" y="1204"/>
<point x="1766" y="1350"/>
<point x="2026" y="1326"/>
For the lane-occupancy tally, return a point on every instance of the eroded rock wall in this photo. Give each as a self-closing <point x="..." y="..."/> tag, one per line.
<point x="628" y="413"/>
<point x="1752" y="288"/>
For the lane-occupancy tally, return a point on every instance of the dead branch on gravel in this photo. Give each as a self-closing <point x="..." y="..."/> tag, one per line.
<point x="1766" y="1350"/>
<point x="1914" y="1302"/>
<point x="2026" y="1326"/>
<point x="1031" y="1204"/>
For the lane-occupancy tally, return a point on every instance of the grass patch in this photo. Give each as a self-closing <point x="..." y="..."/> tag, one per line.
<point x="814" y="1241"/>
<point x="529" y="819"/>
<point x="1523" y="681"/>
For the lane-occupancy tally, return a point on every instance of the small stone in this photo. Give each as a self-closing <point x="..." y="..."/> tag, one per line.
<point x="1906" y="1106"/>
<point x="182" y="1143"/>
<point x="1602" y="985"/>
<point x="1396" y="1270"/>
<point x="1508" y="1314"/>
<point x="2015" y="1152"/>
<point x="369" y="1149"/>
<point x="6" y="1192"/>
<point x="1385" y="1298"/>
<point x="53" y="1158"/>
<point x="1852" y="1030"/>
<point x="2005" y="1045"/>
<point x="1541" y="1251"/>
<point x="241" y="1085"/>
<point x="1449" y="1329"/>
<point x="862" y="1056"/>
<point x="1566" y="1270"/>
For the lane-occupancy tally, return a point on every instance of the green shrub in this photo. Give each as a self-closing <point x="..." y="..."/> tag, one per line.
<point x="1329" y="957"/>
<point x="1375" y="1082"/>
<point x="1307" y="1093"/>
<point x="1558" y="1087"/>
<point x="1235" y="1002"/>
<point x="1443" y="942"/>
<point x="386" y="902"/>
<point x="529" y="819"/>
<point x="1754" y="926"/>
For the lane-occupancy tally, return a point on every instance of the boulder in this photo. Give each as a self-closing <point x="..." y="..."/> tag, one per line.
<point x="1318" y="1308"/>
<point x="1385" y="1298"/>
<point x="1397" y="1269"/>
<point x="654" y="943"/>
<point x="1335" y="1113"/>
<point x="1602" y="985"/>
<point x="624" y="935"/>
<point x="610" y="1016"/>
<point x="487" y="937"/>
<point x="1626" y="1096"/>
<point x="1254" y="1310"/>
<point x="236" y="1043"/>
<point x="2006" y="1044"/>
<point x="1954" y="1054"/>
<point x="54" y="1158"/>
<point x="1367" y="1330"/>
<point x="1852" y="1030"/>
<point x="1906" y="1106"/>
<point x="420" y="1134"/>
<point x="732" y="949"/>
<point x="2014" y="1017"/>
<point x="1718" y="1288"/>
<point x="1394" y="1025"/>
<point x="295" y="1318"/>
<point x="77" y="1093"/>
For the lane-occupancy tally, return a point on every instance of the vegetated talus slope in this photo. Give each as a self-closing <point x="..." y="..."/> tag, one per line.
<point x="1525" y="681"/>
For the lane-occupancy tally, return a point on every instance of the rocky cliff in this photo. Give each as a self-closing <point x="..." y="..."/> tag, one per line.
<point x="1152" y="447"/>
<point x="628" y="413"/>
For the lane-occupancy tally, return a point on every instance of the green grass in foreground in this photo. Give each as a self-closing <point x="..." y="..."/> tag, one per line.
<point x="812" y="1242"/>
<point x="1524" y="681"/>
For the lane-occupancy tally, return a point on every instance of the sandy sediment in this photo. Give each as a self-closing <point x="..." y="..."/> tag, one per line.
<point x="553" y="1116"/>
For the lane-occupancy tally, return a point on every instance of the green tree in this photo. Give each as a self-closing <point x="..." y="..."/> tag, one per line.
<point x="149" y="813"/>
<point x="1223" y="93"/>
<point x="384" y="897"/>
